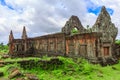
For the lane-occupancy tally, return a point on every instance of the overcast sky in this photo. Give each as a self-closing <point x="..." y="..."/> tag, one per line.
<point x="49" y="16"/>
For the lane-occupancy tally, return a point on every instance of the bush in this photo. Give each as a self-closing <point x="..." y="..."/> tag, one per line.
<point x="87" y="68"/>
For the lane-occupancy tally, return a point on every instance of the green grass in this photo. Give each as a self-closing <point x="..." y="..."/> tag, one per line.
<point x="79" y="69"/>
<point x="5" y="69"/>
<point x="82" y="71"/>
<point x="20" y="59"/>
<point x="25" y="58"/>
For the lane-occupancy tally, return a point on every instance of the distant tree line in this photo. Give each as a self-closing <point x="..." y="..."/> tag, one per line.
<point x="3" y="48"/>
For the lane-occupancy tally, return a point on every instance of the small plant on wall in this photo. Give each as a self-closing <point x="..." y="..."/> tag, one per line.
<point x="74" y="31"/>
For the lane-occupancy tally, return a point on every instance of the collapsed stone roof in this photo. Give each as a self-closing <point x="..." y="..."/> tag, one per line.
<point x="103" y="24"/>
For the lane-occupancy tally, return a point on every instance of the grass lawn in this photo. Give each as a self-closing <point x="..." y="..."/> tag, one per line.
<point x="70" y="70"/>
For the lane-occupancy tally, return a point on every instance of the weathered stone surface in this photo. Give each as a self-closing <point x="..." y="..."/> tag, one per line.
<point x="12" y="69"/>
<point x="1" y="62"/>
<point x="73" y="22"/>
<point x="104" y="24"/>
<point x="14" y="74"/>
<point x="31" y="76"/>
<point x="1" y="65"/>
<point x="5" y="56"/>
<point x="42" y="64"/>
<point x="20" y="79"/>
<point x="103" y="19"/>
<point x="24" y="34"/>
<point x="117" y="51"/>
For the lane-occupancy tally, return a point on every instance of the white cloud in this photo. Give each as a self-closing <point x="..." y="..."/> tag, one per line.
<point x="115" y="6"/>
<point x="48" y="16"/>
<point x="89" y="19"/>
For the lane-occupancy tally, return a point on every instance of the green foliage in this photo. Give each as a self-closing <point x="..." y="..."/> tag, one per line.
<point x="74" y="31"/>
<point x="117" y="41"/>
<point x="6" y="68"/>
<point x="79" y="69"/>
<point x="3" y="48"/>
<point x="20" y="59"/>
<point x="87" y="68"/>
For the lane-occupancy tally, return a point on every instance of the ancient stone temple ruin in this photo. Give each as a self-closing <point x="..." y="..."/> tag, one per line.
<point x="95" y="43"/>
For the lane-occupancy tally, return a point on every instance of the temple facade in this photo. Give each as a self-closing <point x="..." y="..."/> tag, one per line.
<point x="95" y="43"/>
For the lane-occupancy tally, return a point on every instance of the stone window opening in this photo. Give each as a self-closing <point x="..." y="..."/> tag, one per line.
<point x="74" y="30"/>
